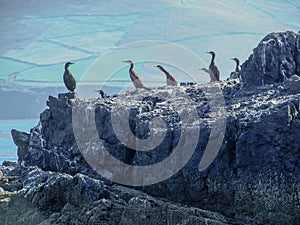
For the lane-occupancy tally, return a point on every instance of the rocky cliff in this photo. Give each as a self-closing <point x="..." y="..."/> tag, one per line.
<point x="58" y="198"/>
<point x="244" y="134"/>
<point x="274" y="60"/>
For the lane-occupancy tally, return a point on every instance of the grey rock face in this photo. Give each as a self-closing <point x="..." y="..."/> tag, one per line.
<point x="256" y="171"/>
<point x="275" y="59"/>
<point x="293" y="84"/>
<point x="56" y="198"/>
<point x="260" y="148"/>
<point x="21" y="139"/>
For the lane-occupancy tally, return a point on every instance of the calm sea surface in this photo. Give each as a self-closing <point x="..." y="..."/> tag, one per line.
<point x="8" y="150"/>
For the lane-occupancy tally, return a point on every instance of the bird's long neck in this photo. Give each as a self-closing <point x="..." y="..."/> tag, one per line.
<point x="212" y="59"/>
<point x="237" y="68"/>
<point x="205" y="70"/>
<point x="67" y="68"/>
<point x="166" y="72"/>
<point x="131" y="67"/>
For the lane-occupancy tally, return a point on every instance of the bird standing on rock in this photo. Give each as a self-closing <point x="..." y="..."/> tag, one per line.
<point x="235" y="74"/>
<point x="237" y="67"/>
<point x="212" y="76"/>
<point x="102" y="94"/>
<point x="171" y="81"/>
<point x="135" y="77"/>
<point x="213" y="67"/>
<point x="69" y="79"/>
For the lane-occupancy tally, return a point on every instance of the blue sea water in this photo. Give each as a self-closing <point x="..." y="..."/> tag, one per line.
<point x="8" y="150"/>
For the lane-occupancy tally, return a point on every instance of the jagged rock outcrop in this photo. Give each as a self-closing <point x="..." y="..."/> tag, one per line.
<point x="259" y="155"/>
<point x="56" y="198"/>
<point x="276" y="58"/>
<point x="21" y="139"/>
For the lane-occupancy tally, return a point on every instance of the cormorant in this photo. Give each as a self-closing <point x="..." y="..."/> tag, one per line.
<point x="135" y="77"/>
<point x="69" y="79"/>
<point x="237" y="67"/>
<point x="213" y="67"/>
<point x="170" y="79"/>
<point x="212" y="76"/>
<point x="103" y="95"/>
<point x="235" y="74"/>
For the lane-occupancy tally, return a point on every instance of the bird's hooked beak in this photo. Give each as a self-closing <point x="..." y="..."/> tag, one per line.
<point x="68" y="64"/>
<point x="127" y="61"/>
<point x="209" y="53"/>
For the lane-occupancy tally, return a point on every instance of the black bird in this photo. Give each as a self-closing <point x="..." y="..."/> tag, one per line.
<point x="135" y="77"/>
<point x="69" y="79"/>
<point x="170" y="79"/>
<point x="237" y="67"/>
<point x="235" y="74"/>
<point x="212" y="76"/>
<point x="213" y="67"/>
<point x="103" y="95"/>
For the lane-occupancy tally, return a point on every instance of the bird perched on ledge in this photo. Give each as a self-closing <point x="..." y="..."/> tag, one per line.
<point x="212" y="76"/>
<point x="170" y="79"/>
<point x="135" y="77"/>
<point x="235" y="74"/>
<point x="237" y="67"/>
<point x="213" y="67"/>
<point x="69" y="79"/>
<point x="102" y="94"/>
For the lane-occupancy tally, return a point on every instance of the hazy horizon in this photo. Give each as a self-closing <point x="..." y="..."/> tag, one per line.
<point x="38" y="37"/>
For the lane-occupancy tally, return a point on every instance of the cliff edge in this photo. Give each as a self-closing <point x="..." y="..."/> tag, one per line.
<point x="253" y="123"/>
